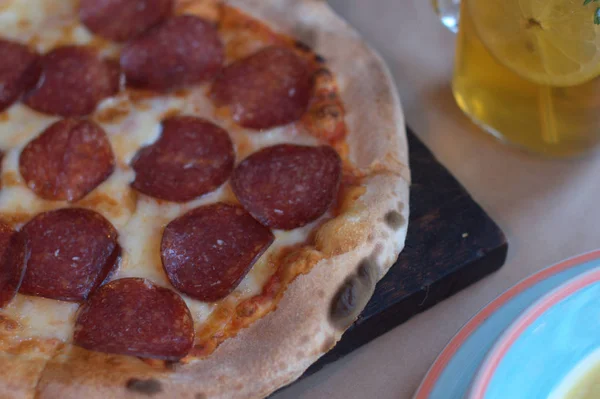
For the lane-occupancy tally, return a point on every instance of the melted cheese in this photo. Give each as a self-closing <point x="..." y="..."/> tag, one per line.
<point x="130" y="123"/>
<point x="40" y="317"/>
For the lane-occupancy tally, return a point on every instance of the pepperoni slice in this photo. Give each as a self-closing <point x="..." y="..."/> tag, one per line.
<point x="267" y="89"/>
<point x="287" y="186"/>
<point x="208" y="251"/>
<point x="19" y="71"/>
<point x="133" y="316"/>
<point x="13" y="255"/>
<point x="122" y="20"/>
<point x="73" y="250"/>
<point x="74" y="80"/>
<point x="181" y="51"/>
<point x="68" y="160"/>
<point x="192" y="157"/>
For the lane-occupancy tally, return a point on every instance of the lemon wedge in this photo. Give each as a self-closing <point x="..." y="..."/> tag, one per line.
<point x="549" y="42"/>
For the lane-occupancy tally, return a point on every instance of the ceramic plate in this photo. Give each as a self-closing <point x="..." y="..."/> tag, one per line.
<point x="541" y="348"/>
<point x="454" y="370"/>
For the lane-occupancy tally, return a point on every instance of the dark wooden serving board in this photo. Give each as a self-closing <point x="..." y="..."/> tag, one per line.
<point x="451" y="244"/>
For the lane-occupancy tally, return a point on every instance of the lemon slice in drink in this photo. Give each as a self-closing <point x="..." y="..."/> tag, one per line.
<point x="550" y="42"/>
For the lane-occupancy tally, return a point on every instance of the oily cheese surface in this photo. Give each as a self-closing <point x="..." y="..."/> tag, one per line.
<point x="130" y="124"/>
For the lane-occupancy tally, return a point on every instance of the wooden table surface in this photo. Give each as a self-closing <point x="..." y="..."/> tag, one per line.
<point x="549" y="209"/>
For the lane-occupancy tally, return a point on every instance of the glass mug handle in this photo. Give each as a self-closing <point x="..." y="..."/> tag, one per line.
<point x="449" y="12"/>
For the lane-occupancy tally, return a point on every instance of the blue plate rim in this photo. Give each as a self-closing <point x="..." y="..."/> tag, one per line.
<point x="439" y="365"/>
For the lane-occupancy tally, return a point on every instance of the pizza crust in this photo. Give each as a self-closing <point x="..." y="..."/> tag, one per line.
<point x="358" y="247"/>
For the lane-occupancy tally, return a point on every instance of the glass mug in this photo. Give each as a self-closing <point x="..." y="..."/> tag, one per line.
<point x="527" y="71"/>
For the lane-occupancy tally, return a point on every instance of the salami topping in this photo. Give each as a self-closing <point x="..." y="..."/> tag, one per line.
<point x="192" y="157"/>
<point x="13" y="255"/>
<point x="72" y="252"/>
<point x="208" y="251"/>
<point x="19" y="71"/>
<point x="122" y="20"/>
<point x="181" y="51"/>
<point x="267" y="89"/>
<point x="74" y="80"/>
<point x="287" y="186"/>
<point x="133" y="316"/>
<point x="67" y="161"/>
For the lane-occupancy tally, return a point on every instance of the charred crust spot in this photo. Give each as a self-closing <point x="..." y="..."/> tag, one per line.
<point x="345" y="300"/>
<point x="353" y="295"/>
<point x="394" y="220"/>
<point x="148" y="387"/>
<point x="302" y="46"/>
<point x="320" y="59"/>
<point x="200" y="395"/>
<point x="365" y="269"/>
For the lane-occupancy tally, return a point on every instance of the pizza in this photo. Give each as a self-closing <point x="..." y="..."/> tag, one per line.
<point x="198" y="196"/>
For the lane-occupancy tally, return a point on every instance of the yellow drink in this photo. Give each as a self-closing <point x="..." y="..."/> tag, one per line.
<point x="557" y="121"/>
